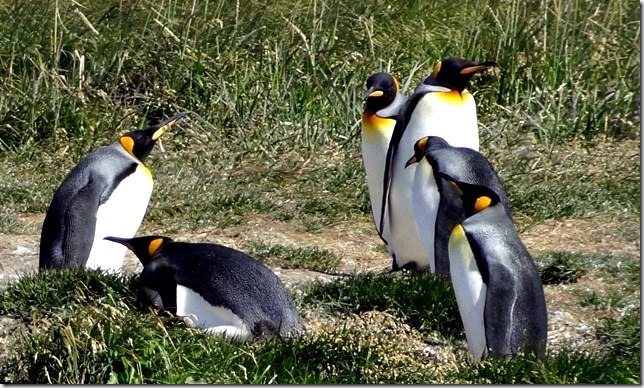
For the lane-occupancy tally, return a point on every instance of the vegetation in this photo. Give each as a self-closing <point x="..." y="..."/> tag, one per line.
<point x="274" y="87"/>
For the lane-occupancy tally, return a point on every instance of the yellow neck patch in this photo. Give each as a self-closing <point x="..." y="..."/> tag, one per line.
<point x="453" y="97"/>
<point x="373" y="122"/>
<point x="127" y="143"/>
<point x="482" y="203"/>
<point x="154" y="245"/>
<point x="458" y="231"/>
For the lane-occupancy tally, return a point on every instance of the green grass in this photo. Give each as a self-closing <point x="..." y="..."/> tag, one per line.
<point x="283" y="256"/>
<point x="90" y="330"/>
<point x="422" y="301"/>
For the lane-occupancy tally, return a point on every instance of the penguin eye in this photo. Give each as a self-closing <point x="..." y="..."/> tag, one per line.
<point x="482" y="203"/>
<point x="437" y="68"/>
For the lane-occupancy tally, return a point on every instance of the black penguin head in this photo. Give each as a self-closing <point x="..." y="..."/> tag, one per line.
<point x="475" y="198"/>
<point x="140" y="143"/>
<point x="423" y="146"/>
<point x="455" y="73"/>
<point x="145" y="248"/>
<point x="382" y="89"/>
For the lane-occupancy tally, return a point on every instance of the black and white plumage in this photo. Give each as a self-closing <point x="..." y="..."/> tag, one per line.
<point x="106" y="193"/>
<point x="497" y="285"/>
<point x="440" y="106"/>
<point x="219" y="289"/>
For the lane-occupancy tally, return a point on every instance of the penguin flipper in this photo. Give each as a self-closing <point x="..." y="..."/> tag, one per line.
<point x="80" y="221"/>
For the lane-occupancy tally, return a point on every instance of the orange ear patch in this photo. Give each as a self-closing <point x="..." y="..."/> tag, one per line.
<point x="127" y="143"/>
<point x="455" y="186"/>
<point x="437" y="68"/>
<point x="482" y="203"/>
<point x="154" y="245"/>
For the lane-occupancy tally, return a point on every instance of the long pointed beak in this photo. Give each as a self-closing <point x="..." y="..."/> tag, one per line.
<point x="411" y="161"/>
<point x="162" y="127"/>
<point x="478" y="67"/>
<point x="120" y="240"/>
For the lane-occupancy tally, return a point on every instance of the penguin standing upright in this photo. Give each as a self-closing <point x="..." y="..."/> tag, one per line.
<point x="383" y="100"/>
<point x="106" y="193"/>
<point x="466" y="165"/>
<point x="497" y="285"/>
<point x="440" y="106"/>
<point x="219" y="289"/>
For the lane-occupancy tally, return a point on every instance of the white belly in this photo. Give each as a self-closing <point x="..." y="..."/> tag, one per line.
<point x="374" y="153"/>
<point x="120" y="216"/>
<point x="433" y="116"/>
<point x="470" y="291"/>
<point x="425" y="200"/>
<point x="213" y="320"/>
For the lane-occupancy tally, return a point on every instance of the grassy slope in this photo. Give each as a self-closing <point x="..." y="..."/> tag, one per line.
<point x="275" y="91"/>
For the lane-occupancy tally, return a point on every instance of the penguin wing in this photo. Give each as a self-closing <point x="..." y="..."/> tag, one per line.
<point x="449" y="214"/>
<point x="402" y="119"/>
<point x="80" y="222"/>
<point x="515" y="309"/>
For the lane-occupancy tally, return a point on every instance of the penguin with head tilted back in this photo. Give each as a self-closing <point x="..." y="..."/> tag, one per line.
<point x="106" y="193"/>
<point x="440" y="106"/>
<point x="218" y="289"/>
<point x="383" y="99"/>
<point x="497" y="286"/>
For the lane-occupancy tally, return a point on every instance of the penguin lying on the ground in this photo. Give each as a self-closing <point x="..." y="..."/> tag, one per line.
<point x="497" y="285"/>
<point x="382" y="102"/>
<point x="106" y="193"/>
<point x="219" y="289"/>
<point x="440" y="106"/>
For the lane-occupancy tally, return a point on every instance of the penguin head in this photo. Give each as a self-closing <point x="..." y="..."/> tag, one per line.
<point x="382" y="89"/>
<point x="145" y="248"/>
<point x="423" y="145"/>
<point x="140" y="143"/>
<point x="455" y="73"/>
<point x="475" y="198"/>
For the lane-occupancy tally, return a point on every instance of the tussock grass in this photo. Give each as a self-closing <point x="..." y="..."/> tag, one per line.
<point x="423" y="301"/>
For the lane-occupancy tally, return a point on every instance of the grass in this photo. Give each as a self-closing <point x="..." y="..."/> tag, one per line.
<point x="90" y="330"/>
<point x="284" y="256"/>
<point x="274" y="89"/>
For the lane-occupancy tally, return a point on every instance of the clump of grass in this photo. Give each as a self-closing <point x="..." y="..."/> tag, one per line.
<point x="423" y="301"/>
<point x="561" y="267"/>
<point x="567" y="367"/>
<point x="293" y="257"/>
<point x="52" y="291"/>
<point x="622" y="334"/>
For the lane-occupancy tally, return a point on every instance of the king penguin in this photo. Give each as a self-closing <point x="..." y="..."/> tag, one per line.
<point x="382" y="102"/>
<point x="440" y="106"/>
<point x="497" y="285"/>
<point x="106" y="193"/>
<point x="218" y="289"/>
<point x="466" y="165"/>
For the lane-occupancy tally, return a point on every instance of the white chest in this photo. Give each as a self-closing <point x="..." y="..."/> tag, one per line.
<point x="470" y="291"/>
<point x="213" y="320"/>
<point x="425" y="201"/>
<point x="120" y="216"/>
